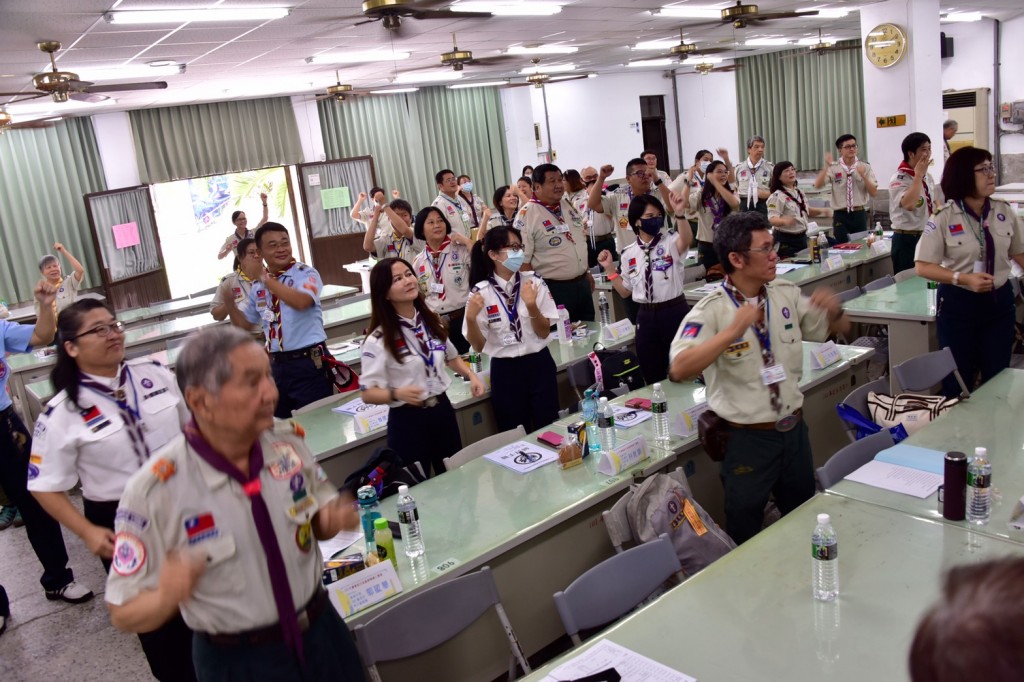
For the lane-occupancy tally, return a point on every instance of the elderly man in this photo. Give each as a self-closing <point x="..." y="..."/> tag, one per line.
<point x="753" y="177"/>
<point x="949" y="129"/>
<point x="67" y="287"/>
<point x="222" y="526"/>
<point x="616" y="204"/>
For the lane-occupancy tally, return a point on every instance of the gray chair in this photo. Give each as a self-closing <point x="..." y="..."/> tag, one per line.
<point x="848" y="295"/>
<point x="858" y="400"/>
<point x="925" y="371"/>
<point x="430" y="618"/>
<point x="858" y="235"/>
<point x="616" y="586"/>
<point x="484" y="446"/>
<point x="616" y="522"/>
<point x="693" y="273"/>
<point x="880" y="283"/>
<point x="339" y="398"/>
<point x="904" y="275"/>
<point x="852" y="457"/>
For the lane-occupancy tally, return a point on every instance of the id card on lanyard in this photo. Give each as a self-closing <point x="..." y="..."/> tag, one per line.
<point x="774" y="372"/>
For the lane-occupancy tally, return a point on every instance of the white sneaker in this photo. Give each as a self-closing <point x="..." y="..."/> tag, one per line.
<point x="73" y="593"/>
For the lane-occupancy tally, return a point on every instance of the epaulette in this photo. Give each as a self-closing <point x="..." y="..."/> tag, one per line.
<point x="287" y="427"/>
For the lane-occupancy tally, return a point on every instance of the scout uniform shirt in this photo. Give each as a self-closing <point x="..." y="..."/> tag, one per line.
<point x="94" y="442"/>
<point x="553" y="241"/>
<point x="178" y="501"/>
<point x="285" y="327"/>
<point x="14" y="338"/>
<point x="665" y="264"/>
<point x="390" y="244"/>
<point x="239" y="284"/>
<point x="616" y="206"/>
<point x="502" y="297"/>
<point x="67" y="293"/>
<point x="383" y="222"/>
<point x="444" y="276"/>
<point x="735" y="389"/>
<point x="708" y="217"/>
<point x="476" y="209"/>
<point x="849" y="192"/>
<point x="929" y="201"/>
<point x="457" y="212"/>
<point x="762" y="175"/>
<point x="953" y="239"/>
<point x="784" y="203"/>
<point x="232" y="241"/>
<point x="421" y="360"/>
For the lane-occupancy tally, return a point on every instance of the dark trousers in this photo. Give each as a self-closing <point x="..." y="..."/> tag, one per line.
<point x="761" y="206"/>
<point x="903" y="247"/>
<point x="299" y="382"/>
<point x="43" y="532"/>
<point x="605" y="243"/>
<point x="425" y="434"/>
<point x="845" y="223"/>
<point x="329" y="653"/>
<point x="575" y="295"/>
<point x="978" y="328"/>
<point x="790" y="244"/>
<point x="655" y="330"/>
<point x="759" y="463"/>
<point x="524" y="391"/>
<point x="693" y="228"/>
<point x="453" y="322"/>
<point x="168" y="648"/>
<point x="706" y="255"/>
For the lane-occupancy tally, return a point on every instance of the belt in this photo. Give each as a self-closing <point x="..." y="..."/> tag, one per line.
<point x="678" y="300"/>
<point x="453" y="314"/>
<point x="910" y="232"/>
<point x="781" y="233"/>
<point x="9" y="408"/>
<point x="783" y="424"/>
<point x="855" y="209"/>
<point x="272" y="633"/>
<point x="567" y="281"/>
<point x="292" y="354"/>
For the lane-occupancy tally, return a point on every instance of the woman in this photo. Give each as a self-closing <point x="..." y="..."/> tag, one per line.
<point x="788" y="210"/>
<point x="527" y="172"/>
<point x="714" y="201"/>
<point x="508" y="317"/>
<point x="966" y="248"/>
<point x="399" y="240"/>
<point x="238" y="283"/>
<point x="242" y="230"/>
<point x="403" y="367"/>
<point x="524" y="190"/>
<point x="652" y="274"/>
<point x="108" y="419"/>
<point x="913" y="198"/>
<point x="443" y="271"/>
<point x="478" y="211"/>
<point x="699" y="168"/>
<point x="506" y="204"/>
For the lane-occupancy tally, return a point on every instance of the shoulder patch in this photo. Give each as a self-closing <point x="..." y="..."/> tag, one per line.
<point x="690" y="330"/>
<point x="163" y="469"/>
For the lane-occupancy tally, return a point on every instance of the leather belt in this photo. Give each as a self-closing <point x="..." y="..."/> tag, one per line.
<point x="855" y="209"/>
<point x="567" y="281"/>
<point x="292" y="354"/>
<point x="678" y="300"/>
<point x="910" y="232"/>
<point x="272" y="633"/>
<point x="791" y="419"/>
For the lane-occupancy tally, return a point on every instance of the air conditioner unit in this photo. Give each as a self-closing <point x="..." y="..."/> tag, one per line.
<point x="969" y="108"/>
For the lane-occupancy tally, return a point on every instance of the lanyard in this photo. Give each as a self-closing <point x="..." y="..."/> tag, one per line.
<point x="763" y="332"/>
<point x="979" y="234"/>
<point x="130" y="415"/>
<point x="764" y="338"/>
<point x="457" y="204"/>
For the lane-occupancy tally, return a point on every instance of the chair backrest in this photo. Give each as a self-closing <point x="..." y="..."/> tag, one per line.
<point x="484" y="446"/>
<point x="879" y="283"/>
<point x="854" y="236"/>
<point x="858" y="400"/>
<point x="848" y="295"/>
<point x="430" y="618"/>
<point x="852" y="457"/>
<point x="339" y="398"/>
<point x="923" y="372"/>
<point x="904" y="275"/>
<point x="616" y="586"/>
<point x="580" y="375"/>
<point x="694" y="273"/>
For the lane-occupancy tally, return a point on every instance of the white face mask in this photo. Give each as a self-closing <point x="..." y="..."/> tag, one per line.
<point x="704" y="166"/>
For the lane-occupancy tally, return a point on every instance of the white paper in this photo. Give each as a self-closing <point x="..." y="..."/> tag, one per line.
<point x="897" y="479"/>
<point x="824" y="355"/>
<point x="631" y="666"/>
<point x="339" y="542"/>
<point x="623" y="456"/>
<point x="522" y="457"/>
<point x="364" y="588"/>
<point x="707" y="288"/>
<point x="354" y="407"/>
<point x="617" y="330"/>
<point x="626" y="417"/>
<point x="314" y="179"/>
<point x="783" y="268"/>
<point x="343" y="348"/>
<point x="684" y="424"/>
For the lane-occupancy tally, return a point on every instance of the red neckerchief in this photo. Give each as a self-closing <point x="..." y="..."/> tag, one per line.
<point x="276" y="332"/>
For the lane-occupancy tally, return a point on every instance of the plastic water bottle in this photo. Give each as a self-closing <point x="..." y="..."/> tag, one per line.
<point x="590" y="417"/>
<point x="825" y="560"/>
<point x="606" y="425"/>
<point x="933" y="297"/>
<point x="659" y="408"/>
<point x="822" y="246"/>
<point x="409" y="520"/>
<point x="879" y="232"/>
<point x="369" y="511"/>
<point x="979" y="488"/>
<point x="604" y="309"/>
<point x="476" y="362"/>
<point x="564" y="326"/>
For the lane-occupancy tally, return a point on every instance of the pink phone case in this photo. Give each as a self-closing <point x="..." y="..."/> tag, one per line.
<point x="551" y="438"/>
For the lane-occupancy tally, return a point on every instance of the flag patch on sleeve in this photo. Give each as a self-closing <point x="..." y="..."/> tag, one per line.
<point x="690" y="330"/>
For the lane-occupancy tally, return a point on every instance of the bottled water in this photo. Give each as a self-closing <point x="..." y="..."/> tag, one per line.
<point x="604" y="308"/>
<point x="564" y="326"/>
<point x="476" y="361"/>
<point x="879" y="232"/>
<point x="659" y="408"/>
<point x="979" y="488"/>
<point x="369" y="511"/>
<point x="822" y="246"/>
<point x="933" y="297"/>
<point x="409" y="520"/>
<point x="606" y="425"/>
<point x="590" y="416"/>
<point x="825" y="560"/>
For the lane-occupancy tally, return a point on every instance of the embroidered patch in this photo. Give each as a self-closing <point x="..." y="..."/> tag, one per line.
<point x="147" y="383"/>
<point x="555" y="241"/>
<point x="297" y="428"/>
<point x="690" y="330"/>
<point x="738" y="347"/>
<point x="155" y="393"/>
<point x="129" y="518"/>
<point x="286" y="462"/>
<point x="785" y="313"/>
<point x="930" y="227"/>
<point x="200" y="527"/>
<point x="304" y="537"/>
<point x="163" y="469"/>
<point x="297" y="482"/>
<point x="956" y="229"/>
<point x="1000" y="217"/>
<point x="129" y="554"/>
<point x="3" y="369"/>
<point x="94" y="419"/>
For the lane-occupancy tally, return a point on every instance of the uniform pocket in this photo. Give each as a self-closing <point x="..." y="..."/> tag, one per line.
<point x="160" y="419"/>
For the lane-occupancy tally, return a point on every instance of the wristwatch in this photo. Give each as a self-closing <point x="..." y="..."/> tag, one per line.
<point x="679" y="217"/>
<point x="956" y="277"/>
<point x="659" y="182"/>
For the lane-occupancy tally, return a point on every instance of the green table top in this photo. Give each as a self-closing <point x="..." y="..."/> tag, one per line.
<point x="751" y="616"/>
<point x="906" y="300"/>
<point x="990" y="418"/>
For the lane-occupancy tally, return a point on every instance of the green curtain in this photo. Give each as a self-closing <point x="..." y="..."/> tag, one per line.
<point x="801" y="102"/>
<point x="175" y="143"/>
<point x="46" y="171"/>
<point x="413" y="135"/>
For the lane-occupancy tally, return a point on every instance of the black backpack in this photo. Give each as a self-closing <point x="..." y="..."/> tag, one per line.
<point x="608" y="369"/>
<point x="385" y="471"/>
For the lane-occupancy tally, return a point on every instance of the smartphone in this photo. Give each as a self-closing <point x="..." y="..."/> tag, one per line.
<point x="639" y="403"/>
<point x="551" y="438"/>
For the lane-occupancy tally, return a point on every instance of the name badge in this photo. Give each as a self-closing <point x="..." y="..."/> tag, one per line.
<point x="436" y="344"/>
<point x="436" y="288"/>
<point x="508" y="339"/>
<point x="562" y="229"/>
<point x="434" y="387"/>
<point x="773" y="374"/>
<point x="302" y="511"/>
<point x="267" y="315"/>
<point x="979" y="266"/>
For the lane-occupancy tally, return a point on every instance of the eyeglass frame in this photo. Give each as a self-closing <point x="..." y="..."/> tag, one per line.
<point x="764" y="252"/>
<point x="102" y="330"/>
<point x="989" y="170"/>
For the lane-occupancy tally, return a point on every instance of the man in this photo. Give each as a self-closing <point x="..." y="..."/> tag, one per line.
<point x="753" y="177"/>
<point x="600" y="226"/>
<point x="223" y="528"/>
<point x="478" y="211"/>
<point x="616" y="204"/>
<point x="949" y="129"/>
<point x="398" y="241"/>
<point x="913" y="197"/>
<point x="650" y="157"/>
<point x="746" y="339"/>
<point x="67" y="287"/>
<point x="451" y="203"/>
<point x="15" y="447"/>
<point x="853" y="183"/>
<point x="238" y="283"/>
<point x="554" y="243"/>
<point x="285" y="300"/>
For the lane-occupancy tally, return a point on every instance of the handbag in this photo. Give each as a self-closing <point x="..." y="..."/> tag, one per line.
<point x="711" y="429"/>
<point x="911" y="410"/>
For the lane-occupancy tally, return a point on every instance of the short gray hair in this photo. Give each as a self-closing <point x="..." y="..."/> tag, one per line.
<point x="45" y="260"/>
<point x="755" y="138"/>
<point x="204" y="360"/>
<point x="950" y="124"/>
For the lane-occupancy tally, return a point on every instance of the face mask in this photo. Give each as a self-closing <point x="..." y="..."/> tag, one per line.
<point x="704" y="166"/>
<point x="467" y="187"/>
<point x="652" y="226"/>
<point x="514" y="260"/>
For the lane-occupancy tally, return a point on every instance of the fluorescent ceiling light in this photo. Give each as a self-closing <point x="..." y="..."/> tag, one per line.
<point x="542" y="49"/>
<point x="651" y="62"/>
<point x="393" y="91"/>
<point x="509" y="8"/>
<point x="182" y="16"/>
<point x="428" y="77"/>
<point x="550" y="68"/>
<point x="659" y="45"/>
<point x="702" y="60"/>
<point x="688" y="12"/>
<point x="828" y="12"/>
<point x="815" y="41"/>
<point x="957" y="17"/>
<point x="591" y="75"/>
<point x="358" y="57"/>
<point x="122" y="73"/>
<point x="767" y="41"/>
<point x="481" y="84"/>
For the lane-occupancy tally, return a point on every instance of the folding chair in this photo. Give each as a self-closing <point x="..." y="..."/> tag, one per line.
<point x="920" y="374"/>
<point x="858" y="400"/>
<point x="484" y="446"/>
<point x="851" y="458"/>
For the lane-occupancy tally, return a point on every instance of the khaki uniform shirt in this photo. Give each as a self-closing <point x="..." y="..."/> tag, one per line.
<point x="231" y="242"/>
<point x="67" y="293"/>
<point x="734" y="386"/>
<point x="240" y="286"/>
<point x="954" y="239"/>
<point x="454" y="282"/>
<point x="616" y="207"/>
<point x="761" y="174"/>
<point x="785" y="205"/>
<point x="915" y="220"/>
<point x="178" y="501"/>
<point x="836" y="179"/>
<point x="383" y="222"/>
<point x="556" y="248"/>
<point x="457" y="212"/>
<point x="706" y="217"/>
<point x="393" y="245"/>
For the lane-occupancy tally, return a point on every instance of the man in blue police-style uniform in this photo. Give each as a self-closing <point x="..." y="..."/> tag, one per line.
<point x="286" y="302"/>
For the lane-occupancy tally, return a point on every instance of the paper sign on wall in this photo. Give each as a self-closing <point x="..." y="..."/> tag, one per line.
<point x="314" y="179"/>
<point x="335" y="197"/>
<point x="125" y="235"/>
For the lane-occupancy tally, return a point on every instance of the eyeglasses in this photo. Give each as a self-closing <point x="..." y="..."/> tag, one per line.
<point x="852" y="145"/>
<point x="103" y="330"/>
<point x="988" y="170"/>
<point x="592" y="179"/>
<point x="765" y="250"/>
<point x="639" y="173"/>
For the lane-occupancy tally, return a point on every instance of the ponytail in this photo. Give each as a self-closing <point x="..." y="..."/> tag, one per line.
<point x="481" y="267"/>
<point x="64" y="376"/>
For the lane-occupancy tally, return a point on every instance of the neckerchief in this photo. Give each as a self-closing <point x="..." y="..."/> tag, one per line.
<point x="799" y="199"/>
<point x="849" y="170"/>
<point x="985" y="241"/>
<point x="423" y="340"/>
<point x="276" y="331"/>
<point x="509" y="301"/>
<point x="555" y="210"/>
<point x="472" y="207"/>
<point x="753" y="184"/>
<point x="717" y="205"/>
<point x="437" y="259"/>
<point x="131" y="416"/>
<point x="761" y="331"/>
<point x="909" y="170"/>
<point x="648" y="273"/>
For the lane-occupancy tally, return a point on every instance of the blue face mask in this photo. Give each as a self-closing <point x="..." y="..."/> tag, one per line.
<point x="652" y="226"/>
<point x="467" y="187"/>
<point x="514" y="259"/>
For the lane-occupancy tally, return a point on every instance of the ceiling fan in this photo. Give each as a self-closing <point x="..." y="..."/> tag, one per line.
<point x="684" y="50"/>
<point x="64" y="85"/>
<point x="457" y="58"/>
<point x="740" y="16"/>
<point x="391" y="12"/>
<point x="7" y="123"/>
<point x="338" y="92"/>
<point x="539" y="79"/>
<point x="704" y="68"/>
<point x="822" y="46"/>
